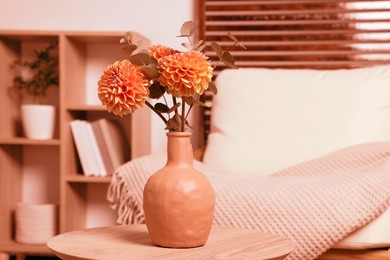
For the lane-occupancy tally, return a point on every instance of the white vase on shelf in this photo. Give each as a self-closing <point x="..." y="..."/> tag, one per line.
<point x="38" y="121"/>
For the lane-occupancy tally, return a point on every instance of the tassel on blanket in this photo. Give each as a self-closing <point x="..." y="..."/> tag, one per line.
<point x="122" y="201"/>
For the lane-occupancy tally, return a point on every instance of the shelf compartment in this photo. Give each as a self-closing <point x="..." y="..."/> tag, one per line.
<point x="26" y="141"/>
<point x="15" y="247"/>
<point x="79" y="178"/>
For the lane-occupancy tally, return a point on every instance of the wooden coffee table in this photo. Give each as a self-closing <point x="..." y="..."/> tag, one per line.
<point x="133" y="242"/>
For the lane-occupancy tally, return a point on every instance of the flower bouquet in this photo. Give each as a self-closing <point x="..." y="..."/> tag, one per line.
<point x="126" y="85"/>
<point x="178" y="200"/>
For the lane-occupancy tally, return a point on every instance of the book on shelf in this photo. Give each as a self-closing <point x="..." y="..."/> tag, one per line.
<point x="102" y="146"/>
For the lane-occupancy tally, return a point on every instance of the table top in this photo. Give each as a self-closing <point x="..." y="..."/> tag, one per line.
<point x="133" y="242"/>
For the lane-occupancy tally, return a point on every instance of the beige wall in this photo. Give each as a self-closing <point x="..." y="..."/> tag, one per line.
<point x="159" y="21"/>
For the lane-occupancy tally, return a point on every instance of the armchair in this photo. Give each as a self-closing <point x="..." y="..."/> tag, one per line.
<point x="302" y="153"/>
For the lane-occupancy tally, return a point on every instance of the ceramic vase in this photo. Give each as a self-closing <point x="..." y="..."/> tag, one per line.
<point x="38" y="121"/>
<point x="178" y="199"/>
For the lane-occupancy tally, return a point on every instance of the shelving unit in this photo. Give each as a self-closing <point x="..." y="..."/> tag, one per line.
<point x="83" y="56"/>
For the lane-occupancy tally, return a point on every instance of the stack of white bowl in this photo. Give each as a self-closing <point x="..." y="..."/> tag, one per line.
<point x="35" y="223"/>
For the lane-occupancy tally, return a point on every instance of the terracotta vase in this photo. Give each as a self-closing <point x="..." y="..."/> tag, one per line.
<point x="178" y="199"/>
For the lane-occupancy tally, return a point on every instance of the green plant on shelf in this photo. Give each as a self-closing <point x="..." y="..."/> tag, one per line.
<point x="36" y="76"/>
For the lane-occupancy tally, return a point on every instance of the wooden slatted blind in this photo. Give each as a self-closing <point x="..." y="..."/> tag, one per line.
<point x="319" y="34"/>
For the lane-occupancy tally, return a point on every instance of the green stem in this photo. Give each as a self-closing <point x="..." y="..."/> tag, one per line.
<point x="155" y="111"/>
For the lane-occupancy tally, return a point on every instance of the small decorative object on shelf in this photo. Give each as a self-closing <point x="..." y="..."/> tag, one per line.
<point x="178" y="200"/>
<point x="35" y="77"/>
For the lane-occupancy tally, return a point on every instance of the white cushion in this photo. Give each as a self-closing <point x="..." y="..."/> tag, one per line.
<point x="264" y="120"/>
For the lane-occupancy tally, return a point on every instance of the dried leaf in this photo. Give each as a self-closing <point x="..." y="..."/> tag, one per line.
<point x="186" y="45"/>
<point x="128" y="37"/>
<point x="201" y="47"/>
<point x="228" y="59"/>
<point x="156" y="91"/>
<point x="128" y="50"/>
<point x="140" y="58"/>
<point x="187" y="29"/>
<point x="218" y="50"/>
<point x="232" y="37"/>
<point x="150" y="72"/>
<point x="213" y="88"/>
<point x="173" y="123"/>
<point x="197" y="45"/>
<point x="153" y="61"/>
<point x="173" y="108"/>
<point x="193" y="101"/>
<point x="188" y="100"/>
<point x="162" y="108"/>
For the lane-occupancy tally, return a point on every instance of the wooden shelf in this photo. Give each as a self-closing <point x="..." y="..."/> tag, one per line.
<point x="82" y="55"/>
<point x="26" y="141"/>
<point x="79" y="178"/>
<point x="14" y="247"/>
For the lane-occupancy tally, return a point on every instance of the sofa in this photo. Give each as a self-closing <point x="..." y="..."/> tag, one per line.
<point x="288" y="126"/>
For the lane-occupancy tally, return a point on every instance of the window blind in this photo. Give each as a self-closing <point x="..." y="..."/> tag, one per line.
<point x="318" y="34"/>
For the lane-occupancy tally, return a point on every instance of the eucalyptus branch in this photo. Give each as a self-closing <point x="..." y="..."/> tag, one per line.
<point x="231" y="47"/>
<point x="188" y="112"/>
<point x="155" y="111"/>
<point x="189" y="39"/>
<point x="183" y="120"/>
<point x="166" y="103"/>
<point x="174" y="103"/>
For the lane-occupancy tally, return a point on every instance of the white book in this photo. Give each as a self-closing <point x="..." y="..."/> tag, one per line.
<point x="79" y="140"/>
<point x="98" y="164"/>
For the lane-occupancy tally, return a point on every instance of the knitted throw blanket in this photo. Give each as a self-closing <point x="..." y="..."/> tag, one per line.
<point x="315" y="204"/>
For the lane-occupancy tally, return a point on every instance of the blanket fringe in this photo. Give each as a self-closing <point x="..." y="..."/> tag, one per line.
<point x="122" y="200"/>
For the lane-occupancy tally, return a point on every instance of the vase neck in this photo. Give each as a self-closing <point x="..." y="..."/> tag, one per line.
<point x="179" y="148"/>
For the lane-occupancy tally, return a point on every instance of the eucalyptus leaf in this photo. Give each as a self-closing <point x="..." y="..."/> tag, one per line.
<point x="188" y="100"/>
<point x="162" y="108"/>
<point x="150" y="72"/>
<point x="187" y="29"/>
<point x="201" y="47"/>
<point x="156" y="91"/>
<point x="128" y="37"/>
<point x="232" y="37"/>
<point x="197" y="45"/>
<point x="153" y="61"/>
<point x="218" y="50"/>
<point x="186" y="45"/>
<point x="172" y="124"/>
<point x="227" y="56"/>
<point x="199" y="103"/>
<point x="173" y="108"/>
<point x="230" y="65"/>
<point x="213" y="88"/>
<point x="229" y="60"/>
<point x="140" y="58"/>
<point x="128" y="50"/>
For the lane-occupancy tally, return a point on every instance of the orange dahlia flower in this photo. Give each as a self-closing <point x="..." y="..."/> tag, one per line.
<point x="123" y="88"/>
<point x="159" y="51"/>
<point x="185" y="74"/>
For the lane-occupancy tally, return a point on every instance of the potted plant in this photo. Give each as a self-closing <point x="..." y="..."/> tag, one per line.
<point x="34" y="78"/>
